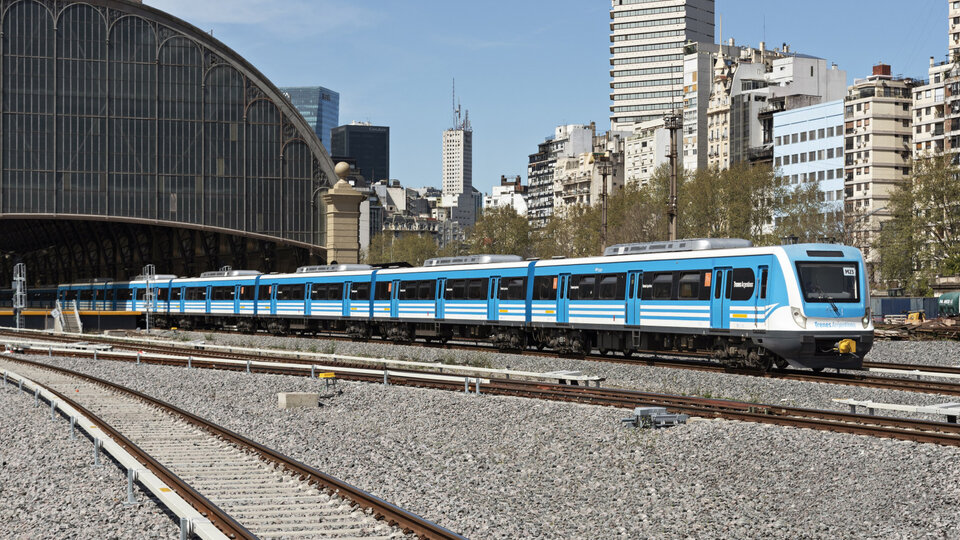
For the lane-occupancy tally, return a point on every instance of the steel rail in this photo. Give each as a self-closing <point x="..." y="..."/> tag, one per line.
<point x="395" y="516"/>
<point x="878" y="426"/>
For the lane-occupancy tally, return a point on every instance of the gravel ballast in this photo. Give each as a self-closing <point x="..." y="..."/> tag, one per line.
<point x="500" y="467"/>
<point x="50" y="489"/>
<point x="663" y="380"/>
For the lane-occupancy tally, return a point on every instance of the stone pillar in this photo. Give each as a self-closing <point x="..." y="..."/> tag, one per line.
<point x="343" y="219"/>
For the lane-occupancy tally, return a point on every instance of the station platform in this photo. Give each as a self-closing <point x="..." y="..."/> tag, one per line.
<point x="39" y="319"/>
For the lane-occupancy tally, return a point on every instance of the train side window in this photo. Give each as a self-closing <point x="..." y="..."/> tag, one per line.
<point x="718" y="282"/>
<point x="196" y="293"/>
<point x="588" y="288"/>
<point x="513" y="288"/>
<point x="408" y="290"/>
<point x="318" y="291"/>
<point x="140" y="293"/>
<point x="455" y="289"/>
<point x="175" y="294"/>
<point x="335" y="291"/>
<point x="763" y="283"/>
<point x="545" y="288"/>
<point x="265" y="292"/>
<point x="573" y="287"/>
<point x="221" y="293"/>
<point x="662" y="286"/>
<point x="477" y="289"/>
<point x="382" y="290"/>
<point x="246" y="292"/>
<point x="705" y="284"/>
<point x="688" y="286"/>
<point x="360" y="291"/>
<point x="292" y="292"/>
<point x="426" y="290"/>
<point x="612" y="287"/>
<point x="742" y="283"/>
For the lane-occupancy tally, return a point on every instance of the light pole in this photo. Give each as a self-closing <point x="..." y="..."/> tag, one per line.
<point x="674" y="123"/>
<point x="602" y="159"/>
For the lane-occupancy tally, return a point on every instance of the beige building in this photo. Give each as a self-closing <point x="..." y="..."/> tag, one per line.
<point x="877" y="152"/>
<point x="928" y="111"/>
<point x="580" y="179"/>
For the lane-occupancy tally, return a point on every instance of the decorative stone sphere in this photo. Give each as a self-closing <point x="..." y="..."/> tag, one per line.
<point x="342" y="170"/>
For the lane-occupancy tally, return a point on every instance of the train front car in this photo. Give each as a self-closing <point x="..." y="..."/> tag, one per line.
<point x="824" y="320"/>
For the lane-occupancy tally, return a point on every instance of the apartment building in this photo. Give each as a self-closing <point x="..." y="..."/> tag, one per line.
<point x="877" y="152"/>
<point x="647" y="39"/>
<point x="567" y="141"/>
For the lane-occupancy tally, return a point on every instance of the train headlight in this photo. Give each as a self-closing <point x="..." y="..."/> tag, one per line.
<point x="798" y="317"/>
<point x="866" y="317"/>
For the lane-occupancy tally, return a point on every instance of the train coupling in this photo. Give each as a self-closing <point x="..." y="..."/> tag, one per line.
<point x="846" y="346"/>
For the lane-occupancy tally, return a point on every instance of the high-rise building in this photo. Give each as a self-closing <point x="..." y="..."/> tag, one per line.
<point x="929" y="110"/>
<point x="367" y="144"/>
<point x="567" y="141"/>
<point x="953" y="40"/>
<point x="457" y="202"/>
<point x="319" y="106"/>
<point x="647" y="39"/>
<point x="878" y="138"/>
<point x="808" y="148"/>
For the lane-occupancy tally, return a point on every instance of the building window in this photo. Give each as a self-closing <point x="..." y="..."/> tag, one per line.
<point x="829" y="153"/>
<point x="830" y="131"/>
<point x="793" y="138"/>
<point x="803" y="136"/>
<point x="778" y="140"/>
<point x="820" y="133"/>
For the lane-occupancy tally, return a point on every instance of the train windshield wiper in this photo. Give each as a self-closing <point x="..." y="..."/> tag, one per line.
<point x="832" y="304"/>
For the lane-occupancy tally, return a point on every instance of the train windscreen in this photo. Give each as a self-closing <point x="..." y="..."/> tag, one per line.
<point x="829" y="282"/>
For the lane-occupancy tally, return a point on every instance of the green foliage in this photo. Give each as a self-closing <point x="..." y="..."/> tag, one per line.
<point x="411" y="248"/>
<point x="501" y="231"/>
<point x="922" y="238"/>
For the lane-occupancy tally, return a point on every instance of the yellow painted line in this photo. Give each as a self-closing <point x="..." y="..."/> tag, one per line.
<point x="549" y="312"/>
<point x="739" y="316"/>
<point x="166" y="489"/>
<point x="354" y="309"/>
<point x="329" y="375"/>
<point x="504" y="311"/>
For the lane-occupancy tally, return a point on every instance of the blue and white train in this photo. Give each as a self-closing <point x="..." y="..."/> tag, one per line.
<point x="804" y="305"/>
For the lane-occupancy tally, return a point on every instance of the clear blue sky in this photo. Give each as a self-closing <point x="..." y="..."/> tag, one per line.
<point x="521" y="67"/>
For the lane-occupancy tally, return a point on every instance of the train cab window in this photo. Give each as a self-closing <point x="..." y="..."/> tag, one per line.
<point x="514" y="288"/>
<point x="360" y="291"/>
<point x="612" y="286"/>
<point x="383" y="290"/>
<point x="265" y="292"/>
<point x="222" y="293"/>
<point x="688" y="286"/>
<point x="196" y="293"/>
<point x="742" y="284"/>
<point x="246" y="292"/>
<point x="477" y="289"/>
<point x="763" y="283"/>
<point x="291" y="292"/>
<point x="658" y="286"/>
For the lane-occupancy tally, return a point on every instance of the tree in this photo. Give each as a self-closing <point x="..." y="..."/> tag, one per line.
<point x="410" y="248"/>
<point x="501" y="231"/>
<point x="922" y="237"/>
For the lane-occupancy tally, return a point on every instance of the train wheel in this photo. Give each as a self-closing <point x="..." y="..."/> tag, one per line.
<point x="603" y="351"/>
<point x="627" y="353"/>
<point x="781" y="363"/>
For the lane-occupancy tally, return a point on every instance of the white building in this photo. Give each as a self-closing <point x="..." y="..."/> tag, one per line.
<point x="510" y="193"/>
<point x="647" y="55"/>
<point x="458" y="202"/>
<point x="645" y="150"/>
<point x="567" y="141"/>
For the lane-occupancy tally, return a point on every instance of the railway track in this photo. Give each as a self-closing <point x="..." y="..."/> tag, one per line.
<point x="856" y="379"/>
<point x="244" y="489"/>
<point x="878" y="426"/>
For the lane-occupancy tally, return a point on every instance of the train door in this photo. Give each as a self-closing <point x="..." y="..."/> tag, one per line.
<point x="493" y="298"/>
<point x="441" y="292"/>
<point x="720" y="300"/>
<point x="308" y="298"/>
<point x="345" y="293"/>
<point x="563" y="299"/>
<point x="208" y="298"/>
<point x="394" y="299"/>
<point x="761" y="296"/>
<point x="634" y="279"/>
